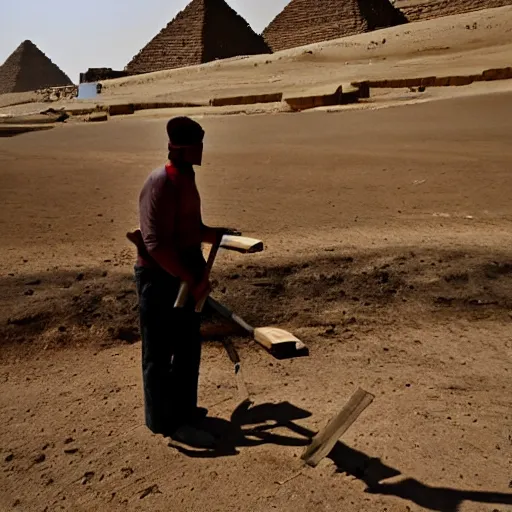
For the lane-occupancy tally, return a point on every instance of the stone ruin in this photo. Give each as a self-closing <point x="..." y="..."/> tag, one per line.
<point x="97" y="74"/>
<point x="29" y="69"/>
<point x="304" y="22"/>
<point x="65" y="92"/>
<point x="420" y="10"/>
<point x="206" y="30"/>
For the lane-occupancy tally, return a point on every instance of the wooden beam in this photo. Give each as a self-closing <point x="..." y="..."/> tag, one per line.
<point x="324" y="441"/>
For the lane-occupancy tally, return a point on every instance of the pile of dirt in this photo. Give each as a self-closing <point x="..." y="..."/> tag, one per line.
<point x="29" y="69"/>
<point x="314" y="21"/>
<point x="204" y="31"/>
<point x="333" y="295"/>
<point x="419" y="10"/>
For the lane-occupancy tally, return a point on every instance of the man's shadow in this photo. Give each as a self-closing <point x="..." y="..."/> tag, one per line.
<point x="255" y="426"/>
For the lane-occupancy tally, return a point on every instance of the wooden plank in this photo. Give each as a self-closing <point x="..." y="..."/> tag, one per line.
<point x="325" y="440"/>
<point x="281" y="344"/>
<point x="241" y="244"/>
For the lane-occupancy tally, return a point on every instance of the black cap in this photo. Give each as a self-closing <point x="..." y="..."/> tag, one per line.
<point x="183" y="131"/>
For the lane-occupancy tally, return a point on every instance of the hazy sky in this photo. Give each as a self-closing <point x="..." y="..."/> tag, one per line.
<point x="82" y="34"/>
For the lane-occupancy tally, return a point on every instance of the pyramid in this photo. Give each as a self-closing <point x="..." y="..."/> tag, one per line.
<point x="418" y="10"/>
<point x="305" y="22"/>
<point x="29" y="69"/>
<point x="204" y="31"/>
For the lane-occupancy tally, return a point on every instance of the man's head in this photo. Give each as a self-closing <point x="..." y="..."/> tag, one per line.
<point x="185" y="141"/>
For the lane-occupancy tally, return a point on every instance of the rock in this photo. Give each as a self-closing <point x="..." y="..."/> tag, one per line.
<point x="97" y="117"/>
<point x="36" y="282"/>
<point x="127" y="472"/>
<point x="153" y="489"/>
<point x="80" y="276"/>
<point x="40" y="458"/>
<point x="29" y="292"/>
<point x="9" y="457"/>
<point x="71" y="451"/>
<point x="87" y="477"/>
<point x="121" y="110"/>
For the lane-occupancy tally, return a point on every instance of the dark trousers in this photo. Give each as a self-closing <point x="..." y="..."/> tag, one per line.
<point x="171" y="351"/>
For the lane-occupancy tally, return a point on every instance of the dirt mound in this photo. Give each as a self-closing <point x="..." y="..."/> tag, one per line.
<point x="204" y="31"/>
<point x="419" y="10"/>
<point x="29" y="69"/>
<point x="333" y="294"/>
<point x="314" y="21"/>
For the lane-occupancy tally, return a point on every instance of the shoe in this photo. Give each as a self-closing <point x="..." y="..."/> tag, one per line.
<point x="194" y="437"/>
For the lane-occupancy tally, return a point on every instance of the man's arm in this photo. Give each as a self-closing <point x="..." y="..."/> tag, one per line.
<point x="167" y="258"/>
<point x="211" y="235"/>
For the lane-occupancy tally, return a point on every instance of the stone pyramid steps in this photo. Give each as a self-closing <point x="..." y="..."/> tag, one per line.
<point x="419" y="10"/>
<point x="204" y="31"/>
<point x="305" y="22"/>
<point x="29" y="69"/>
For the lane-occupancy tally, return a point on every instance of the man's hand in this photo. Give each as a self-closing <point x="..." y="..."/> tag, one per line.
<point x="230" y="231"/>
<point x="135" y="237"/>
<point x="201" y="289"/>
<point x="213" y="235"/>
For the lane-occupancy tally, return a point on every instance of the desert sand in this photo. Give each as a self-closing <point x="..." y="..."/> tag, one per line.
<point x="388" y="235"/>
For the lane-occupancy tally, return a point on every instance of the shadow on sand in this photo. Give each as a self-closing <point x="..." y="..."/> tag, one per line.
<point x="254" y="426"/>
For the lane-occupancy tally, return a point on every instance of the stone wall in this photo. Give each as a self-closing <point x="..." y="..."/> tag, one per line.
<point x="204" y="31"/>
<point x="419" y="10"/>
<point x="305" y="22"/>
<point x="97" y="74"/>
<point x="58" y="93"/>
<point x="29" y="69"/>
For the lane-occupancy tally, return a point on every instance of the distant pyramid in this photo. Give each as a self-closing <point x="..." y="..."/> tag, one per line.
<point x="305" y="22"/>
<point x="204" y="31"/>
<point x="418" y="10"/>
<point x="29" y="69"/>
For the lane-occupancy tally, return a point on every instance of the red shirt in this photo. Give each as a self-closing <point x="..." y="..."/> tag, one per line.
<point x="170" y="216"/>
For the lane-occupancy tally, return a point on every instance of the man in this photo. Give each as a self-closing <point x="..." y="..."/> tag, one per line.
<point x="169" y="243"/>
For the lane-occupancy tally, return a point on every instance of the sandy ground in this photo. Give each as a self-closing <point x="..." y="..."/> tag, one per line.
<point x="388" y="238"/>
